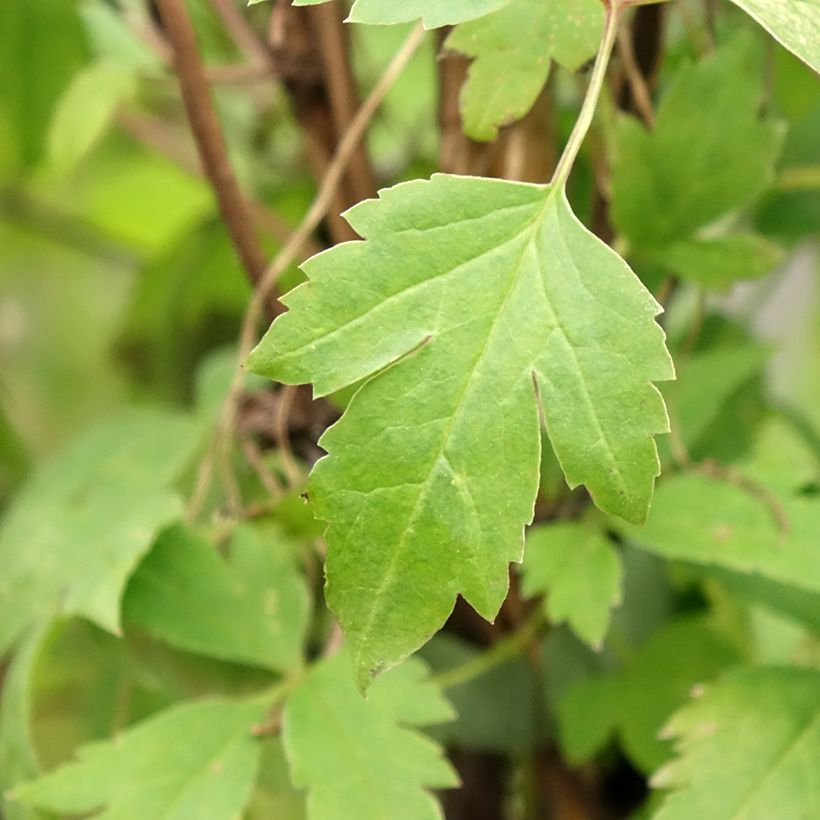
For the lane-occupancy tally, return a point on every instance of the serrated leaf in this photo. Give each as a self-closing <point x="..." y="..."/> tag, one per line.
<point x="712" y="521"/>
<point x="794" y="23"/>
<point x="688" y="171"/>
<point x="433" y="13"/>
<point x="358" y="758"/>
<point x="635" y="701"/>
<point x="193" y="760"/>
<point x="748" y="747"/>
<point x="575" y="567"/>
<point x="513" y="49"/>
<point x="251" y="608"/>
<point x="78" y="528"/>
<point x="465" y="293"/>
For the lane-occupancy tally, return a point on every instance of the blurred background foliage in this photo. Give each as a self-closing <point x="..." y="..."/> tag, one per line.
<point x="120" y="288"/>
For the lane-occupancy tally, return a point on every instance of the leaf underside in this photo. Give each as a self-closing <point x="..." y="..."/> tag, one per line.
<point x="468" y="297"/>
<point x="433" y="13"/>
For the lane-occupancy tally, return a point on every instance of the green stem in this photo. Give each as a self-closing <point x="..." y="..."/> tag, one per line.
<point x="500" y="652"/>
<point x="596" y="83"/>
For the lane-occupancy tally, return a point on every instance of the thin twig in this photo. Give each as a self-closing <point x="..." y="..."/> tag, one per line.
<point x="637" y="82"/>
<point x="281" y="433"/>
<point x="510" y="646"/>
<point x="290" y="251"/>
<point x="209" y="139"/>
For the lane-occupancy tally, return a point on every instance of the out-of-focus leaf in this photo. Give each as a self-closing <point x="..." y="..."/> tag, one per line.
<point x="689" y="172"/>
<point x="494" y="710"/>
<point x="78" y="528"/>
<point x="186" y="302"/>
<point x="85" y="111"/>
<point x="251" y="608"/>
<point x="706" y="382"/>
<point x="193" y="760"/>
<point x="747" y="747"/>
<point x="635" y="701"/>
<point x="718" y="263"/>
<point x="577" y="570"/>
<point x="513" y="49"/>
<point x="358" y="758"/>
<point x="713" y="521"/>
<point x="43" y="46"/>
<point x="18" y="758"/>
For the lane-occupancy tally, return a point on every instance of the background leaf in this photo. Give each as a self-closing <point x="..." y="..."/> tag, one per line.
<point x="80" y="525"/>
<point x="577" y="570"/>
<point x="251" y="607"/>
<point x="189" y="760"/>
<point x="513" y="49"/>
<point x="747" y="747"/>
<point x="379" y="766"/>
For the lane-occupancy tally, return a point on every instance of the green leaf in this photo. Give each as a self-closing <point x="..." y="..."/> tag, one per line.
<point x="711" y="521"/>
<point x="513" y="49"/>
<point x="747" y="747"/>
<point x="194" y="760"/>
<point x="43" y="46"/>
<point x="688" y="171"/>
<point x="706" y="382"/>
<point x="358" y="758"/>
<point x="434" y="13"/>
<point x="86" y="110"/>
<point x="577" y="570"/>
<point x="794" y="23"/>
<point x="718" y="263"/>
<point x="250" y="608"/>
<point x="78" y="528"/>
<point x="635" y="701"/>
<point x="465" y="295"/>
<point x="18" y="757"/>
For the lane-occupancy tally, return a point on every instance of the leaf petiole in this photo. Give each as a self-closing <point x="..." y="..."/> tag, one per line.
<point x="596" y="82"/>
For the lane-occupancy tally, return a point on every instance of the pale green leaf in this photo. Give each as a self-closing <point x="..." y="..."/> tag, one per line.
<point x="358" y="758"/>
<point x="79" y="527"/>
<point x="513" y="49"/>
<point x="433" y="13"/>
<point x="713" y="521"/>
<point x="706" y="382"/>
<point x="688" y="171"/>
<point x="86" y="110"/>
<point x="794" y="23"/>
<point x="748" y="747"/>
<point x="18" y="756"/>
<point x="634" y="702"/>
<point x="466" y="294"/>
<point x="251" y="608"/>
<point x="197" y="760"/>
<point x="577" y="570"/>
<point x="718" y="263"/>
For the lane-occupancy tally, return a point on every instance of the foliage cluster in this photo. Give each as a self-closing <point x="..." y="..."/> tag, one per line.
<point x="542" y="536"/>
